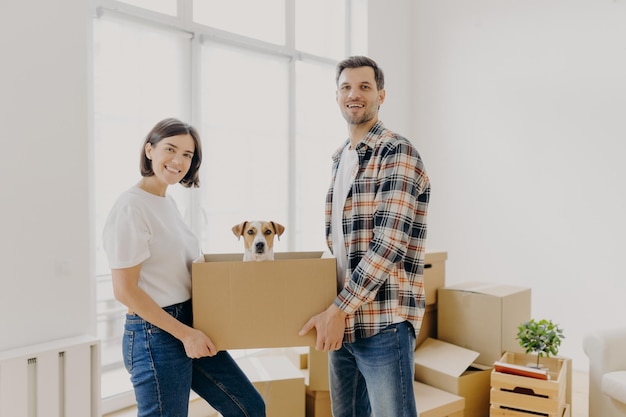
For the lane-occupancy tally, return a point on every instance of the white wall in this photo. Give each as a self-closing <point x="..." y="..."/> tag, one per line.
<point x="519" y="111"/>
<point x="390" y="41"/>
<point x="46" y="289"/>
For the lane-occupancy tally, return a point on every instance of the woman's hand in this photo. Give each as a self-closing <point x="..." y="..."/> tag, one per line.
<point x="197" y="344"/>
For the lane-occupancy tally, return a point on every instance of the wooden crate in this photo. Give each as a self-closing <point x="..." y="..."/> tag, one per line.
<point x="514" y="395"/>
<point x="503" y="412"/>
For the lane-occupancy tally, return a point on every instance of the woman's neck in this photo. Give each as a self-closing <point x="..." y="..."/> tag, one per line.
<point x="152" y="186"/>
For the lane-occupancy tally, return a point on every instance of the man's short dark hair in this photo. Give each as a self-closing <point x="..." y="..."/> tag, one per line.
<point x="362" y="61"/>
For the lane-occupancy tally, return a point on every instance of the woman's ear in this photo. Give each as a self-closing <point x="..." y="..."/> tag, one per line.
<point x="148" y="151"/>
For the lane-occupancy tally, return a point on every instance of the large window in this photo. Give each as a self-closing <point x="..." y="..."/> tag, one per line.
<point x="258" y="83"/>
<point x="245" y="122"/>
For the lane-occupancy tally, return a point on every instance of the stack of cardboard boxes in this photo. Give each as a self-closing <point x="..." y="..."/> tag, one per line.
<point x="476" y="323"/>
<point x="256" y="305"/>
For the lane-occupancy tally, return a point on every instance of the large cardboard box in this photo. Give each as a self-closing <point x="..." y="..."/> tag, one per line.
<point x="483" y="317"/>
<point x="279" y="382"/>
<point x="434" y="274"/>
<point x="433" y="402"/>
<point x="452" y="369"/>
<point x="242" y="305"/>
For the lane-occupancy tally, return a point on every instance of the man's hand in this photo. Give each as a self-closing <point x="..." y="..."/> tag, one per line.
<point x="330" y="325"/>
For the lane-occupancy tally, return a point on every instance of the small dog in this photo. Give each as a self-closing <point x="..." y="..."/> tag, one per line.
<point x="258" y="238"/>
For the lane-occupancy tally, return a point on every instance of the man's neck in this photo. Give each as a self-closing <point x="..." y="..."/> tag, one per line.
<point x="358" y="132"/>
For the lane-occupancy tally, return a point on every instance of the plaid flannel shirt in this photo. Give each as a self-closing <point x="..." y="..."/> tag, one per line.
<point x="384" y="225"/>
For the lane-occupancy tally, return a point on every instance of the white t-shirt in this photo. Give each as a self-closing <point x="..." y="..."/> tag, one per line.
<point x="143" y="228"/>
<point x="348" y="163"/>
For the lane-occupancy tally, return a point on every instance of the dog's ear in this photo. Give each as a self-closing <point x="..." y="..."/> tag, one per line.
<point x="238" y="229"/>
<point x="279" y="229"/>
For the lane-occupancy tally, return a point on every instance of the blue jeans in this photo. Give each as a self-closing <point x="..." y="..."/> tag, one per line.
<point x="374" y="376"/>
<point x="163" y="375"/>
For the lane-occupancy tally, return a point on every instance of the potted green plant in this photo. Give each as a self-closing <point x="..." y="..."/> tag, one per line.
<point x="541" y="337"/>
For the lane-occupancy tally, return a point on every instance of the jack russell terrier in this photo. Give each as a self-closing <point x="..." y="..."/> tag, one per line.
<point x="258" y="239"/>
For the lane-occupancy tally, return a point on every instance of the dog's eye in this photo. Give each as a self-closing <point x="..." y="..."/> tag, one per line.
<point x="268" y="232"/>
<point x="250" y="232"/>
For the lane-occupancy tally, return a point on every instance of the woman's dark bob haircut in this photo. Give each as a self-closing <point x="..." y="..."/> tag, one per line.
<point x="166" y="129"/>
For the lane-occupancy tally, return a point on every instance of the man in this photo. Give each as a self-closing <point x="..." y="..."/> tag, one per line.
<point x="376" y="228"/>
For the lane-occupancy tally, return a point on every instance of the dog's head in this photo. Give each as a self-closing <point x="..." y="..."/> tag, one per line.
<point x="258" y="238"/>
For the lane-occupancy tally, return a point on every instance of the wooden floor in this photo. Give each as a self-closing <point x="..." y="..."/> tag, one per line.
<point x="579" y="406"/>
<point x="580" y="394"/>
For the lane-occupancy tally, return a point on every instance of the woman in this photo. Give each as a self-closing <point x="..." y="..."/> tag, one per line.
<point x="150" y="251"/>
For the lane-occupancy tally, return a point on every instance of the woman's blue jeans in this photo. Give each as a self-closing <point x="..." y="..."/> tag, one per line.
<point x="163" y="375"/>
<point x="374" y="375"/>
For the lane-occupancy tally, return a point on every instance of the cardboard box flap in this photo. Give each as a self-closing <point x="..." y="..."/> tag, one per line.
<point x="445" y="357"/>
<point x="279" y="256"/>
<point x="432" y="401"/>
<point x="487" y="288"/>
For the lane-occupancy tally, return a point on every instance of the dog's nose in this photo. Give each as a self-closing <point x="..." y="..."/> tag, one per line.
<point x="260" y="247"/>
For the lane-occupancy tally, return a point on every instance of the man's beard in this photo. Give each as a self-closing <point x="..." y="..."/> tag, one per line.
<point x="358" y="120"/>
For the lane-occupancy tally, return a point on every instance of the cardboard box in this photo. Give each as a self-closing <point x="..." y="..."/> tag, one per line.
<point x="452" y="369"/>
<point x="317" y="374"/>
<point x="318" y="404"/>
<point x="429" y="325"/>
<point x="434" y="274"/>
<point x="242" y="305"/>
<point x="433" y="402"/>
<point x="530" y="395"/>
<point x="279" y="382"/>
<point x="483" y="317"/>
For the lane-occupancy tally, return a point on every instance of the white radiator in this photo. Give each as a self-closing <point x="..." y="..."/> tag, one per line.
<point x="55" y="379"/>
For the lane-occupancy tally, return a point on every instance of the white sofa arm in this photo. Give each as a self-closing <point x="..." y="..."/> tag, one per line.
<point x="605" y="350"/>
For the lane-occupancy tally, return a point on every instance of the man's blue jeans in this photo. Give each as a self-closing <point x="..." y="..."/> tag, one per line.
<point x="163" y="375"/>
<point x="374" y="376"/>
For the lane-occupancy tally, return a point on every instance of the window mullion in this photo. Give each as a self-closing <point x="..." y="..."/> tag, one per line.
<point x="198" y="221"/>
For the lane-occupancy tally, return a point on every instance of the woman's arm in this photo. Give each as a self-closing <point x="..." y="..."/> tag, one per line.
<point x="126" y="290"/>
